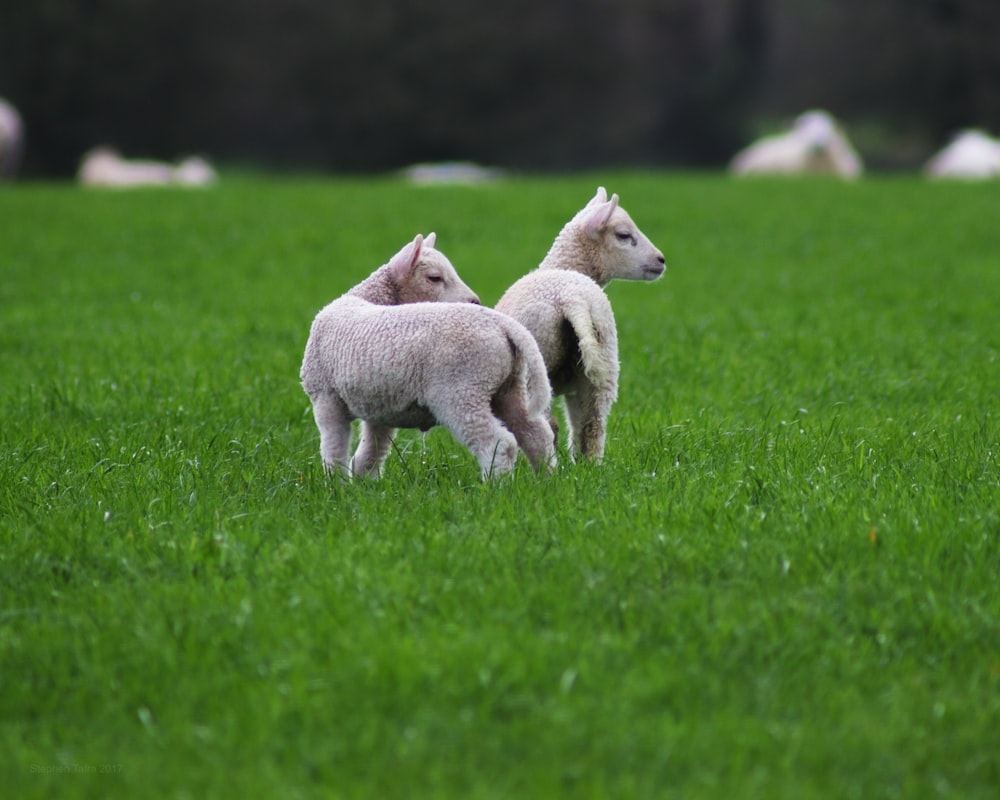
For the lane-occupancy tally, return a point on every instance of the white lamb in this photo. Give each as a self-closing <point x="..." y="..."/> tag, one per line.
<point x="380" y="355"/>
<point x="814" y="145"/>
<point x="11" y="139"/>
<point x="564" y="306"/>
<point x="971" y="155"/>
<point x="104" y="166"/>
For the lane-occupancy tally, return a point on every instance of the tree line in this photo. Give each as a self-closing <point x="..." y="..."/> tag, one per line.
<point x="357" y="85"/>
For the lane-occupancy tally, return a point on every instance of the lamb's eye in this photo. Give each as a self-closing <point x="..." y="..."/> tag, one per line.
<point x="435" y="279"/>
<point x="624" y="236"/>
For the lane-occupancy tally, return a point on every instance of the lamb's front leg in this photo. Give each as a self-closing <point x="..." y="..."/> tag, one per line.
<point x="372" y="450"/>
<point x="334" y="423"/>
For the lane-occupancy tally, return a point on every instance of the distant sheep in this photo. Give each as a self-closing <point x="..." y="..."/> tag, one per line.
<point x="972" y="155"/>
<point x="814" y="145"/>
<point x="11" y="139"/>
<point x="449" y="173"/>
<point x="564" y="306"/>
<point x="380" y="355"/>
<point x="104" y="166"/>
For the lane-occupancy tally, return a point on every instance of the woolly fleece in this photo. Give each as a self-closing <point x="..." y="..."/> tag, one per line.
<point x="472" y="369"/>
<point x="564" y="306"/>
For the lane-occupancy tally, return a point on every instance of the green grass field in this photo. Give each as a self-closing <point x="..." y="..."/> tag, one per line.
<point x="782" y="582"/>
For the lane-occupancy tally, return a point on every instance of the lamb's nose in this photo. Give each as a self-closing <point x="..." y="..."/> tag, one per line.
<point x="661" y="259"/>
<point x="475" y="301"/>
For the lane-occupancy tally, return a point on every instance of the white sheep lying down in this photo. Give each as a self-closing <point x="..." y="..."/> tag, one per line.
<point x="104" y="166"/>
<point x="11" y="139"/>
<point x="421" y="364"/>
<point x="564" y="306"/>
<point x="971" y="155"/>
<point x="815" y="144"/>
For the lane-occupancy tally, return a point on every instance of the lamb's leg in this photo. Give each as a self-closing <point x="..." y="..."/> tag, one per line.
<point x="334" y="423"/>
<point x="553" y="425"/>
<point x="572" y="434"/>
<point x="372" y="450"/>
<point x="587" y="411"/>
<point x="535" y="435"/>
<point x="474" y="425"/>
<point x="497" y="454"/>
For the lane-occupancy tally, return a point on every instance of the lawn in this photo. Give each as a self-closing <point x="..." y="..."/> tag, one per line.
<point x="782" y="582"/>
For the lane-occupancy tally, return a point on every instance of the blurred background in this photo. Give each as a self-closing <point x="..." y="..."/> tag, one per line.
<point x="365" y="85"/>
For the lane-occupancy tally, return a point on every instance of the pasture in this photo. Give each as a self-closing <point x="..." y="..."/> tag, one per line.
<point x="782" y="582"/>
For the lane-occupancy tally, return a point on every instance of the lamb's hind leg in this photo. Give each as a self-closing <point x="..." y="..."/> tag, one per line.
<point x="334" y="423"/>
<point x="587" y="411"/>
<point x="372" y="450"/>
<point x="536" y="435"/>
<point x="473" y="424"/>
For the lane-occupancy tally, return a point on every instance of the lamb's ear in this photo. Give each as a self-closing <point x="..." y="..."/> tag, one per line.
<point x="597" y="199"/>
<point x="430" y="239"/>
<point x="599" y="217"/>
<point x="401" y="263"/>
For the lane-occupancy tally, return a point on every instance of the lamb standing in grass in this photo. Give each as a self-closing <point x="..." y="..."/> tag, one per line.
<point x="564" y="306"/>
<point x="380" y="355"/>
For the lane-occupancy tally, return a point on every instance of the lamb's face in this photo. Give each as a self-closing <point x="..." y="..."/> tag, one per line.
<point x="626" y="252"/>
<point x="817" y="131"/>
<point x="433" y="279"/>
<point x="421" y="274"/>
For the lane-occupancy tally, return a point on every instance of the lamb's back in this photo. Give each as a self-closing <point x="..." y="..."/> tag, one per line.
<point x="541" y="301"/>
<point x="389" y="358"/>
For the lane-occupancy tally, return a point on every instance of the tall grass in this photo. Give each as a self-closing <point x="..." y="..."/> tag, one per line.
<point x="781" y="583"/>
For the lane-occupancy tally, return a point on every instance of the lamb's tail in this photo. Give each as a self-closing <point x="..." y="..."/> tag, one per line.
<point x="529" y="366"/>
<point x="593" y="322"/>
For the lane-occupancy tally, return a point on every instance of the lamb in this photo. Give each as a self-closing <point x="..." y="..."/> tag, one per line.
<point x="382" y="354"/>
<point x="814" y="145"/>
<point x="563" y="304"/>
<point x="971" y="155"/>
<point x="104" y="166"/>
<point x="11" y="139"/>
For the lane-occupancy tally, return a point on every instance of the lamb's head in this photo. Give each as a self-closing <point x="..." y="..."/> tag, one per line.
<point x="603" y="242"/>
<point x="421" y="273"/>
<point x="816" y="130"/>
<point x="194" y="171"/>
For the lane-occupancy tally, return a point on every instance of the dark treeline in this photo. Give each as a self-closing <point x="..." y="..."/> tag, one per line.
<point x="543" y="84"/>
